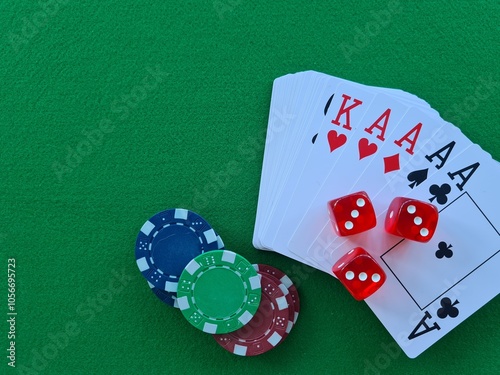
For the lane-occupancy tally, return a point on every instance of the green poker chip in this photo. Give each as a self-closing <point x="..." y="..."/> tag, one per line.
<point x="219" y="291"/>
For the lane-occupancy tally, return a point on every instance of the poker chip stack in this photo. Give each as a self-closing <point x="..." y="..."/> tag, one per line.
<point x="249" y="309"/>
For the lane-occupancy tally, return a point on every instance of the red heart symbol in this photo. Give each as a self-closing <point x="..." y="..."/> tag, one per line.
<point x="366" y="148"/>
<point x="336" y="140"/>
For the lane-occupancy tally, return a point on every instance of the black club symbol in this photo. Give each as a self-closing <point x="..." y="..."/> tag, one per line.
<point x="444" y="250"/>
<point x="439" y="193"/>
<point x="447" y="308"/>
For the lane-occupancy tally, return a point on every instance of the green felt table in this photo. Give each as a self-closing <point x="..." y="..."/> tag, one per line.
<point x="111" y="111"/>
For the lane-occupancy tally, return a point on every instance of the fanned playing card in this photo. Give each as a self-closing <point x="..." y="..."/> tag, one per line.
<point x="328" y="137"/>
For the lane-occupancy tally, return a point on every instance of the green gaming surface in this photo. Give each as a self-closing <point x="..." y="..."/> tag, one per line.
<point x="175" y="96"/>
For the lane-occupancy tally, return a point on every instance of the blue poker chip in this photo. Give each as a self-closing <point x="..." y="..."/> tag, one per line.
<point x="168" y="242"/>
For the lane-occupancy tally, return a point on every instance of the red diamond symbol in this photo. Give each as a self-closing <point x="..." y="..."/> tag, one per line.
<point x="391" y="163"/>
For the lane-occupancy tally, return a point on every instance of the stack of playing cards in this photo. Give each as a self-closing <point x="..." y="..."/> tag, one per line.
<point x="328" y="137"/>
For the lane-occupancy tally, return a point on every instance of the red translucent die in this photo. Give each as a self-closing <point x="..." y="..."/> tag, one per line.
<point x="360" y="273"/>
<point x="352" y="214"/>
<point x="412" y="219"/>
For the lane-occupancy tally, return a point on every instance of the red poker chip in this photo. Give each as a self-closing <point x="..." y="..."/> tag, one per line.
<point x="293" y="293"/>
<point x="268" y="326"/>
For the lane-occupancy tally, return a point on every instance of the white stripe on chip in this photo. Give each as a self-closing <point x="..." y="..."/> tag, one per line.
<point x="209" y="328"/>
<point x="274" y="339"/>
<point x="240" y="350"/>
<point x="170" y="286"/>
<point x="282" y="304"/>
<point x="228" y="256"/>
<point x="210" y="235"/>
<point x="147" y="228"/>
<point x="286" y="280"/>
<point x="245" y="318"/>
<point x="284" y="289"/>
<point x="181" y="213"/>
<point x="142" y="263"/>
<point x="183" y="303"/>
<point x="255" y="282"/>
<point x="192" y="267"/>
